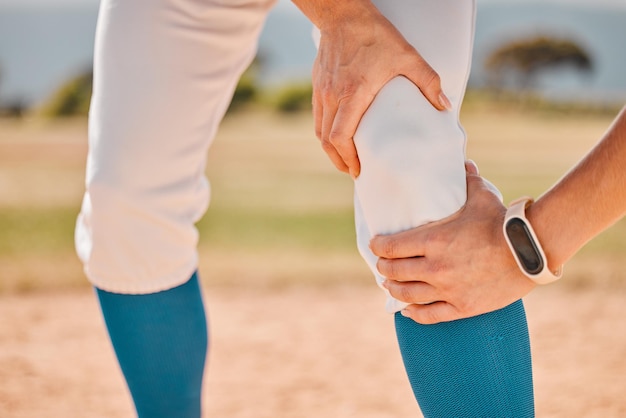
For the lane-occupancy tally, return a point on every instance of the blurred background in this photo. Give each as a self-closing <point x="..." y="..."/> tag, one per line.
<point x="560" y="49"/>
<point x="547" y="79"/>
<point x="552" y="72"/>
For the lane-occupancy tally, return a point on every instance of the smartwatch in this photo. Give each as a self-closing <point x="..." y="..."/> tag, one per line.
<point x="525" y="246"/>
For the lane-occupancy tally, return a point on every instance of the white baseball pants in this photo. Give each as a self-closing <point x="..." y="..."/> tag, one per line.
<point x="164" y="74"/>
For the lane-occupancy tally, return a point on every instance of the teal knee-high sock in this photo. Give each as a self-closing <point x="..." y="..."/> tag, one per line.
<point x="475" y="367"/>
<point x="160" y="340"/>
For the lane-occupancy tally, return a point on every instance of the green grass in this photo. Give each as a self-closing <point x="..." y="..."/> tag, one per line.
<point x="36" y="231"/>
<point x="51" y="230"/>
<point x="266" y="229"/>
<point x="280" y="212"/>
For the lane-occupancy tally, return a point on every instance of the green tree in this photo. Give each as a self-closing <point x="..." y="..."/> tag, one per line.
<point x="247" y="91"/>
<point x="293" y="98"/>
<point x="72" y="98"/>
<point x="526" y="58"/>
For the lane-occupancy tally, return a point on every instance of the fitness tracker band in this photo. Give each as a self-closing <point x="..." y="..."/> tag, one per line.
<point x="525" y="246"/>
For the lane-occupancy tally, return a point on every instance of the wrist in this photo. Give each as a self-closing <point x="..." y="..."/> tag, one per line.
<point x="331" y="14"/>
<point x="550" y="234"/>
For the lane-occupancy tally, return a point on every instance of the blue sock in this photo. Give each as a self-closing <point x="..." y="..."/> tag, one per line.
<point x="475" y="367"/>
<point x="160" y="340"/>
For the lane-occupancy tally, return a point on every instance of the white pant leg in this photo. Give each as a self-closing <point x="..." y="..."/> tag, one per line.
<point x="164" y="73"/>
<point x="412" y="156"/>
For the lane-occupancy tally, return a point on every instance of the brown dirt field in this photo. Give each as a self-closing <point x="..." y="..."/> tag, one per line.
<point x="284" y="340"/>
<point x="296" y="352"/>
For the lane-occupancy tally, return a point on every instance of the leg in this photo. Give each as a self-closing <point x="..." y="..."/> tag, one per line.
<point x="477" y="367"/>
<point x="164" y="73"/>
<point x="160" y="340"/>
<point x="412" y="172"/>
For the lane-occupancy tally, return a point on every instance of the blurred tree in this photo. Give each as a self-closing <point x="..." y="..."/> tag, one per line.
<point x="14" y="108"/>
<point x="11" y="107"/>
<point x="527" y="58"/>
<point x="247" y="91"/>
<point x="294" y="98"/>
<point x="71" y="99"/>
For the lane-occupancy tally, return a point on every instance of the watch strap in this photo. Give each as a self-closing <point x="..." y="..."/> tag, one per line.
<point x="517" y="209"/>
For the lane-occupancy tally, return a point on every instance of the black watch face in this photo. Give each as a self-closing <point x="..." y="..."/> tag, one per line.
<point x="524" y="246"/>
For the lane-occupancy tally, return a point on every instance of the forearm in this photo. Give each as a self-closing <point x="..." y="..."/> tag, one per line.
<point x="587" y="200"/>
<point x="323" y="13"/>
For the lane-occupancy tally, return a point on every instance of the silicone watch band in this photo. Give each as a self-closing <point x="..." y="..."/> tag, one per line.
<point x="518" y="210"/>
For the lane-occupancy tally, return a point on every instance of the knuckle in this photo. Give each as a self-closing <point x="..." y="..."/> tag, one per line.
<point x="348" y="89"/>
<point x="389" y="247"/>
<point x="431" y="78"/>
<point x="327" y="146"/>
<point x="391" y="269"/>
<point x="326" y="94"/>
<point x="435" y="268"/>
<point x="464" y="309"/>
<point x="404" y="293"/>
<point x="336" y="137"/>
<point x="431" y="240"/>
<point x="467" y="307"/>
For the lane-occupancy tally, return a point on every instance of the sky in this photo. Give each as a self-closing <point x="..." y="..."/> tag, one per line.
<point x="71" y="46"/>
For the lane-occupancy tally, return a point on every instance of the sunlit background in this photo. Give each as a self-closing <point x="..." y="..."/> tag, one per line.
<point x="547" y="79"/>
<point x="43" y="43"/>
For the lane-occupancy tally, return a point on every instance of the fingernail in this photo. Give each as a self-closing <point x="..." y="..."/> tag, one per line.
<point x="386" y="284"/>
<point x="473" y="164"/>
<point x="404" y="313"/>
<point x="444" y="101"/>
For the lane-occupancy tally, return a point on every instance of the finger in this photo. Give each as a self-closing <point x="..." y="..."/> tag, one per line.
<point x="317" y="114"/>
<point x="328" y="115"/>
<point x="334" y="156"/>
<point x="433" y="313"/>
<point x="429" y="82"/>
<point x="347" y="119"/>
<point x="404" y="269"/>
<point x="405" y="244"/>
<point x="411" y="292"/>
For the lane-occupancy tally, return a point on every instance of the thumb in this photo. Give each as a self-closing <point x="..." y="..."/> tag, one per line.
<point x="471" y="167"/>
<point x="432" y="313"/>
<point x="475" y="182"/>
<point x="429" y="83"/>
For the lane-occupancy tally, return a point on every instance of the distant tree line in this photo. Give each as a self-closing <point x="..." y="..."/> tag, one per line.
<point x="515" y="65"/>
<point x="73" y="97"/>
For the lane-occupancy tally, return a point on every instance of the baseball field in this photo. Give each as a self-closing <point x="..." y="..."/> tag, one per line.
<point x="297" y="325"/>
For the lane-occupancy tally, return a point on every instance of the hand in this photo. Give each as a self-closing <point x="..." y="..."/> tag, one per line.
<point x="358" y="55"/>
<point x="457" y="267"/>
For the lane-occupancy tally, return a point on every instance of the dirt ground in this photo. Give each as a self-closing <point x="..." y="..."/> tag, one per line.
<point x="281" y="348"/>
<point x="322" y="351"/>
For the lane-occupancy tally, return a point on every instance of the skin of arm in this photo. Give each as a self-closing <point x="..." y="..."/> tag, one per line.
<point x="359" y="52"/>
<point x="463" y="263"/>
